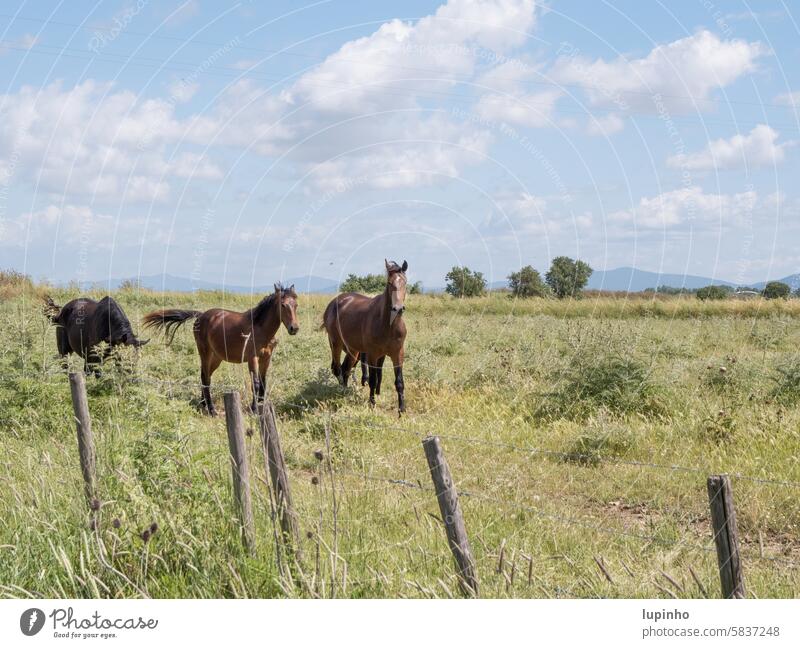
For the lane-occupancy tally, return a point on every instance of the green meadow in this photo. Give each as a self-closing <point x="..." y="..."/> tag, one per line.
<point x="577" y="432"/>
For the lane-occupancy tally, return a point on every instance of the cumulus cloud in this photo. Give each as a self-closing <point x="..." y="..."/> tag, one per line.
<point x="687" y="206"/>
<point x="757" y="148"/>
<point x="679" y="76"/>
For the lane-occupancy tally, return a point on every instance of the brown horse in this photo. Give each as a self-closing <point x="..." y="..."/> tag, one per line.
<point x="372" y="328"/>
<point x="223" y="335"/>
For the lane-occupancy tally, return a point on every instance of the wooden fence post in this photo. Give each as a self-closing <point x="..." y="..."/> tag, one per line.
<point x="83" y="423"/>
<point x="276" y="467"/>
<point x="451" y="514"/>
<point x="726" y="535"/>
<point x="240" y="469"/>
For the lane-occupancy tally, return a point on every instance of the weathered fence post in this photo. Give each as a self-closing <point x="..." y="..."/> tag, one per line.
<point x="83" y="423"/>
<point x="726" y="535"/>
<point x="276" y="466"/>
<point x="240" y="469"/>
<point x="451" y="514"/>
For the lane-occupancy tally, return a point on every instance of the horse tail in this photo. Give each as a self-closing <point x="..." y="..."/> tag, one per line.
<point x="51" y="310"/>
<point x="170" y="319"/>
<point x="331" y="309"/>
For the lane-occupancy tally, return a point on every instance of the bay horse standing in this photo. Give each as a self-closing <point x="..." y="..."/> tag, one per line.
<point x="230" y="336"/>
<point x="84" y="323"/>
<point x="372" y="328"/>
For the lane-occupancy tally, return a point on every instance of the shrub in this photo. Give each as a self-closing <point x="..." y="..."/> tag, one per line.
<point x="415" y="288"/>
<point x="594" y="381"/>
<point x="787" y="382"/>
<point x="463" y="282"/>
<point x="713" y="293"/>
<point x="369" y="283"/>
<point x="13" y="283"/>
<point x="527" y="283"/>
<point x="567" y="277"/>
<point x="776" y="290"/>
<point x="591" y="447"/>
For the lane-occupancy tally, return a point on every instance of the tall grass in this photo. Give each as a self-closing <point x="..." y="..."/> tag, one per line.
<point x="620" y="390"/>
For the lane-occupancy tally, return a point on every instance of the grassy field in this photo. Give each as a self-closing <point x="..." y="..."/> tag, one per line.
<point x="547" y="412"/>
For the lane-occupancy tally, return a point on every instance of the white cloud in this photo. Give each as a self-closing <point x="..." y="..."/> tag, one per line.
<point x="533" y="109"/>
<point x="688" y="206"/>
<point x="682" y="72"/>
<point x="605" y="125"/>
<point x="758" y="148"/>
<point x="788" y="99"/>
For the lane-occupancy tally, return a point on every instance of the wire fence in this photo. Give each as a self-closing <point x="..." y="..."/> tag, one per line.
<point x="474" y="497"/>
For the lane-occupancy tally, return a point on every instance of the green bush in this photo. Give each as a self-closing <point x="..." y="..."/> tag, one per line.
<point x="776" y="290"/>
<point x="463" y="282"/>
<point x="593" y="381"/>
<point x="527" y="283"/>
<point x="567" y="277"/>
<point x="713" y="293"/>
<point x="787" y="382"/>
<point x="369" y="283"/>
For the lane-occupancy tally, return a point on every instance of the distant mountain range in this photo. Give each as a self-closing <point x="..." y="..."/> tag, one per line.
<point x="619" y="279"/>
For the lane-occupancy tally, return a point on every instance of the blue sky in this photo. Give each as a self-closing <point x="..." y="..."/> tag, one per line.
<point x="250" y="142"/>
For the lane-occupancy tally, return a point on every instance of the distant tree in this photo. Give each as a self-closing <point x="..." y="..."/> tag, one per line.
<point x="369" y="283"/>
<point x="567" y="277"/>
<point x="463" y="282"/>
<point x="776" y="290"/>
<point x="527" y="283"/>
<point x="713" y="293"/>
<point x="415" y="288"/>
<point x="796" y="293"/>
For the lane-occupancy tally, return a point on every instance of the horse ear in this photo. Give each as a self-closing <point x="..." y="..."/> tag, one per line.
<point x="291" y="288"/>
<point x="386" y="261"/>
<point x="277" y="288"/>
<point x="405" y="265"/>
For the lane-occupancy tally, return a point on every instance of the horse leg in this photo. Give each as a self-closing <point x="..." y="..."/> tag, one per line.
<point x="336" y="364"/>
<point x="255" y="379"/>
<point x="349" y="363"/>
<point x="263" y="364"/>
<point x="379" y="372"/>
<point x="397" y="361"/>
<point x="373" y="381"/>
<point x="363" y="357"/>
<point x="209" y="366"/>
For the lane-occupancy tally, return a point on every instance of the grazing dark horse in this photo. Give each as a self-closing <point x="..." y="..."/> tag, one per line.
<point x="372" y="328"/>
<point x="224" y="335"/>
<point x="84" y="323"/>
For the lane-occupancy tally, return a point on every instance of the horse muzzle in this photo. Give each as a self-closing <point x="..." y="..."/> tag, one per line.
<point x="395" y="313"/>
<point x="293" y="329"/>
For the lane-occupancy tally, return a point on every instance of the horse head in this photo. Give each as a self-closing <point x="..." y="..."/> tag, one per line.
<point x="396" y="285"/>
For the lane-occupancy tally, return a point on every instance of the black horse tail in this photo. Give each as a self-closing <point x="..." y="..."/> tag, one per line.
<point x="170" y="320"/>
<point x="51" y="310"/>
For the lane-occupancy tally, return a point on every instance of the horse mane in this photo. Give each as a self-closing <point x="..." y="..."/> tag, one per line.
<point x="259" y="312"/>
